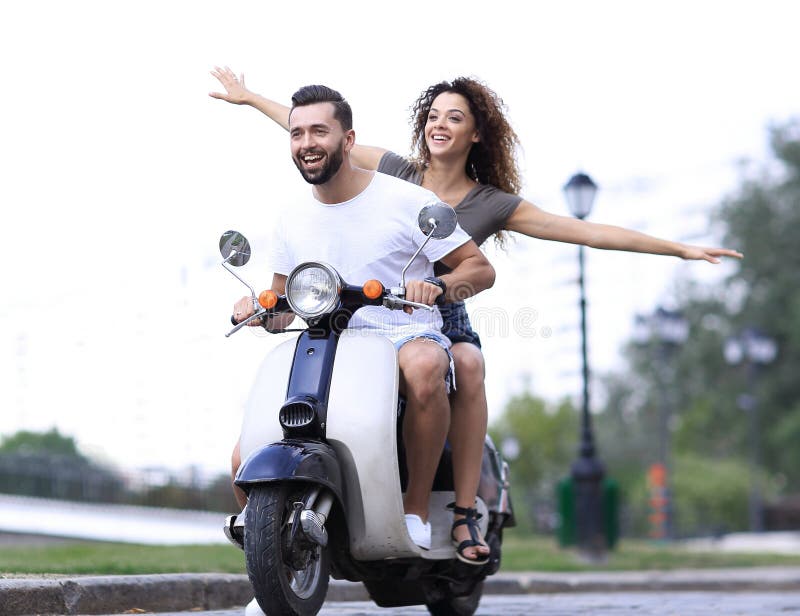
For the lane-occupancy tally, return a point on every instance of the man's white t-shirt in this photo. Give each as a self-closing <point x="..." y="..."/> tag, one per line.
<point x="370" y="236"/>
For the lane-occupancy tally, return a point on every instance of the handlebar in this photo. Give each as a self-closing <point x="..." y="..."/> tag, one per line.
<point x="396" y="303"/>
<point x="350" y="295"/>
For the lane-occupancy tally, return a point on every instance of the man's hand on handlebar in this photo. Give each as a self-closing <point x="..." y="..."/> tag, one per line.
<point x="243" y="309"/>
<point x="421" y="292"/>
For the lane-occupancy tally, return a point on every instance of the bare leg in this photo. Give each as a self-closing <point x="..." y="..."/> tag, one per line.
<point x="467" y="432"/>
<point x="236" y="461"/>
<point x="423" y="366"/>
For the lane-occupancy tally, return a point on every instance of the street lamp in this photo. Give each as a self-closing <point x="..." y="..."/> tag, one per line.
<point x="753" y="348"/>
<point x="669" y="329"/>
<point x="587" y="471"/>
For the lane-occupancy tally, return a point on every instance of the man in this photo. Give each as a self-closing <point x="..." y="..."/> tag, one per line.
<point x="364" y="224"/>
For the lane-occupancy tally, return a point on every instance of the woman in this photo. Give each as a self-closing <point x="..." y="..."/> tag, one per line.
<point x="464" y="152"/>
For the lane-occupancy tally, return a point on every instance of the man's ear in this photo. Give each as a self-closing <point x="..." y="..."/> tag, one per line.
<point x="349" y="140"/>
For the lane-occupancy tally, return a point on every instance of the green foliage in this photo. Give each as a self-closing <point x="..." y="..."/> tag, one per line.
<point x="521" y="552"/>
<point x="49" y="465"/>
<point x="548" y="440"/>
<point x="709" y="491"/>
<point x="709" y="496"/>
<point x="52" y="442"/>
<point x="763" y="219"/>
<point x="692" y="389"/>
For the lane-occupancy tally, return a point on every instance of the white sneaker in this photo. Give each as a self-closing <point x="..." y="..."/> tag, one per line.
<point x="419" y="532"/>
<point x="253" y="609"/>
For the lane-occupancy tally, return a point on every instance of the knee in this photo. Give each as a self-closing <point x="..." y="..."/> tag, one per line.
<point x="470" y="367"/>
<point x="423" y="376"/>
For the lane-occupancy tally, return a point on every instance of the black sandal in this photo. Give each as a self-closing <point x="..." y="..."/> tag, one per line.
<point x="471" y="517"/>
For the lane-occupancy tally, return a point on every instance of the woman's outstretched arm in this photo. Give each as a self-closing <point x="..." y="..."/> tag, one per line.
<point x="535" y="222"/>
<point x="364" y="156"/>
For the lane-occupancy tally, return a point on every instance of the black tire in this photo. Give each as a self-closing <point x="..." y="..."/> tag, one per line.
<point x="286" y="580"/>
<point x="465" y="605"/>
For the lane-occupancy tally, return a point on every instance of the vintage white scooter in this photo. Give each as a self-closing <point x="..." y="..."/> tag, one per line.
<point x="323" y="461"/>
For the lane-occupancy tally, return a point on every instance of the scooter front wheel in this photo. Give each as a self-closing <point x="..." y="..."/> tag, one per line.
<point x="288" y="571"/>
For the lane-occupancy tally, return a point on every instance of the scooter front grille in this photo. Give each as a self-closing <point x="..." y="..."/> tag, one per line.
<point x="296" y="415"/>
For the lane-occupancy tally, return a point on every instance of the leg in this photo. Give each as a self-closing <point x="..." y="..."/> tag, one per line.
<point x="236" y="462"/>
<point x="467" y="433"/>
<point x="423" y="367"/>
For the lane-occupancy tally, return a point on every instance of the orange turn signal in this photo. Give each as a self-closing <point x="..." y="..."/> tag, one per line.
<point x="372" y="289"/>
<point x="268" y="299"/>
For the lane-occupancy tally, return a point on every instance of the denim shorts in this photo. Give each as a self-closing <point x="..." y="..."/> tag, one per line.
<point x="450" y="377"/>
<point x="456" y="325"/>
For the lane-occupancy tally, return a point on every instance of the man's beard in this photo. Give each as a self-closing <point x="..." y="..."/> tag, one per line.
<point x="321" y="175"/>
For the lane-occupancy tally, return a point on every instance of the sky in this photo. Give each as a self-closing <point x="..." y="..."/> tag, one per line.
<point x="119" y="173"/>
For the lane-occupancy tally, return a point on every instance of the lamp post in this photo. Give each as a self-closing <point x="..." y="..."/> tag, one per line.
<point x="587" y="471"/>
<point x="753" y="348"/>
<point x="669" y="330"/>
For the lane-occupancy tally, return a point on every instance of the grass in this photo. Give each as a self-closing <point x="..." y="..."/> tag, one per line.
<point x="520" y="553"/>
<point x="538" y="553"/>
<point x="84" y="557"/>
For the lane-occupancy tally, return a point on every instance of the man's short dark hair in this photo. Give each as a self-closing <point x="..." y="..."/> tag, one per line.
<point x="309" y="95"/>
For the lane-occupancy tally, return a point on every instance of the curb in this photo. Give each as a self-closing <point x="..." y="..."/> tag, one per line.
<point x="761" y="579"/>
<point x="209" y="591"/>
<point x="116" y="594"/>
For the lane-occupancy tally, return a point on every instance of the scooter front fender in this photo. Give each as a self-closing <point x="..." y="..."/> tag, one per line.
<point x="292" y="460"/>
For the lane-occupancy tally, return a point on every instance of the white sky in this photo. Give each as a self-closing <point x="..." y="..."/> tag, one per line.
<point x="118" y="174"/>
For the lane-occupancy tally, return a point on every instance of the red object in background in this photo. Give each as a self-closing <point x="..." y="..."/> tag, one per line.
<point x="657" y="475"/>
<point x="657" y="482"/>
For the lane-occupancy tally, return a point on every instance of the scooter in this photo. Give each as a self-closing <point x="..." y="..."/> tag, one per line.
<point x="323" y="459"/>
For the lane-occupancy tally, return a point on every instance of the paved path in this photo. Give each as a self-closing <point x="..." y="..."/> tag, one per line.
<point x="678" y="592"/>
<point x="107" y="522"/>
<point x="600" y="604"/>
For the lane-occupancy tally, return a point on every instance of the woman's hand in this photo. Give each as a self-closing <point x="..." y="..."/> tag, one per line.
<point x="701" y="253"/>
<point x="235" y="90"/>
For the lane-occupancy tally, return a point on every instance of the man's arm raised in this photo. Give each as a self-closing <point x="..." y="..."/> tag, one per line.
<point x="364" y="156"/>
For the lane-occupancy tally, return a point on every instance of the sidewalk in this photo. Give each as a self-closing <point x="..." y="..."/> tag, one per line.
<point x="109" y="522"/>
<point x="177" y="592"/>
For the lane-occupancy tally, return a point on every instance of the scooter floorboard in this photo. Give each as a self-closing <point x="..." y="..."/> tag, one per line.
<point x="441" y="520"/>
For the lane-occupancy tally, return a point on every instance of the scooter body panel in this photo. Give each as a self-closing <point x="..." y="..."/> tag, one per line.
<point x="260" y="424"/>
<point x="362" y="430"/>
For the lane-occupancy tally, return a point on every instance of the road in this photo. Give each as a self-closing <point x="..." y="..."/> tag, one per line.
<point x="602" y="604"/>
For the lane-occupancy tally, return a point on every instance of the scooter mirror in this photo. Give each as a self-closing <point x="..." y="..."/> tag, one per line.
<point x="437" y="217"/>
<point x="234" y="248"/>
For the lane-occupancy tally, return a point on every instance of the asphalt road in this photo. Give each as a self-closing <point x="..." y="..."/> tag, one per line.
<point x="761" y="590"/>
<point x="601" y="604"/>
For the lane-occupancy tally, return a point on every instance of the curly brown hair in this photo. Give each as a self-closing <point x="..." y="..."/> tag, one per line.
<point x="493" y="159"/>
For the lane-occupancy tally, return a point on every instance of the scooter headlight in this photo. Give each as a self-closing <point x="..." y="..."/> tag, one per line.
<point x="312" y="290"/>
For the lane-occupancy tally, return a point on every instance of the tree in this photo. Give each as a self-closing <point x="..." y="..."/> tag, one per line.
<point x="711" y="435"/>
<point x="547" y="444"/>
<point x="48" y="464"/>
<point x="51" y="442"/>
<point x="763" y="218"/>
